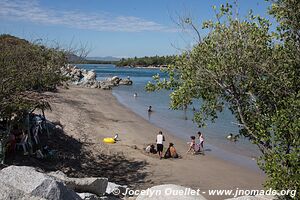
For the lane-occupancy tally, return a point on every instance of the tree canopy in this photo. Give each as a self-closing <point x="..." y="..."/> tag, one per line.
<point x="146" y="61"/>
<point x="244" y="65"/>
<point x="24" y="68"/>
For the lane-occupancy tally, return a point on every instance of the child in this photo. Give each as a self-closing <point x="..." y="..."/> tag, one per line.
<point x="192" y="145"/>
<point x="201" y="140"/>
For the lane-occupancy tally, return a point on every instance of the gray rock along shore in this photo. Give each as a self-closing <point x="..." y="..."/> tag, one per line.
<point x="22" y="182"/>
<point x="85" y="78"/>
<point x="26" y="183"/>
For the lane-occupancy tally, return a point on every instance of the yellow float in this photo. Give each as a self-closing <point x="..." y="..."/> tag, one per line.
<point x="109" y="140"/>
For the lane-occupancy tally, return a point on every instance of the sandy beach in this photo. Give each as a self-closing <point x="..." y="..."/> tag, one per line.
<point x="89" y="115"/>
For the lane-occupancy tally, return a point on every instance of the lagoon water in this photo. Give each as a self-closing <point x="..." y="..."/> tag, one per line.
<point x="177" y="122"/>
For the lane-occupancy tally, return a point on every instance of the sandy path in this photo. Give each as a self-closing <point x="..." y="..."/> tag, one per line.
<point x="89" y="115"/>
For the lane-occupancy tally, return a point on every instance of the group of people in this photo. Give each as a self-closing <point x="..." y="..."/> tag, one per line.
<point x="171" y="152"/>
<point x="196" y="147"/>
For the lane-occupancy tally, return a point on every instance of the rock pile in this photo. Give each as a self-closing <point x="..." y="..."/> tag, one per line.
<point x="22" y="182"/>
<point x="85" y="78"/>
<point x="26" y="183"/>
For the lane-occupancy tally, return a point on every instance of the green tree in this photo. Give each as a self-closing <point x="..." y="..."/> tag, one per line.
<point x="26" y="71"/>
<point x="243" y="65"/>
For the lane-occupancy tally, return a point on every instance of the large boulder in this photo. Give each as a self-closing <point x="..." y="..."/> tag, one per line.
<point x="170" y="192"/>
<point x="126" y="81"/>
<point x="90" y="76"/>
<point x="8" y="192"/>
<point x="115" y="80"/>
<point x="111" y="187"/>
<point x="27" y="183"/>
<point x="91" y="185"/>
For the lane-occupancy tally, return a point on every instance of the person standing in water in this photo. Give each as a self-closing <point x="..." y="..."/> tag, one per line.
<point x="160" y="144"/>
<point x="201" y="140"/>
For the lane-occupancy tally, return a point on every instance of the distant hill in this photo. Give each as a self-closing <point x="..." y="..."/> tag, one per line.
<point x="106" y="58"/>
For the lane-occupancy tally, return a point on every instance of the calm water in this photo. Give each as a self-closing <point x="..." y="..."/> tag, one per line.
<point x="177" y="122"/>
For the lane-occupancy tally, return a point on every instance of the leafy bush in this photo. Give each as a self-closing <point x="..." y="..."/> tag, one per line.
<point x="255" y="72"/>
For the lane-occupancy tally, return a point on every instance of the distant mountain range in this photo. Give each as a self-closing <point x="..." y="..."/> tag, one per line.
<point x="106" y="58"/>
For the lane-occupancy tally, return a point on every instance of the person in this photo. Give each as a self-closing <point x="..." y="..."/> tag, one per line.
<point x="232" y="138"/>
<point x="171" y="152"/>
<point x="135" y="94"/>
<point x="116" y="138"/>
<point x="150" y="149"/>
<point x="192" y="145"/>
<point x="150" y="109"/>
<point x="201" y="140"/>
<point x="159" y="142"/>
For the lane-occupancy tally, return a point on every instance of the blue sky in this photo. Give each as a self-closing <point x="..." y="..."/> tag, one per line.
<point x="120" y="28"/>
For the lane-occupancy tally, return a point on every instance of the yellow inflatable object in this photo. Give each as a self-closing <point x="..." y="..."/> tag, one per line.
<point x="109" y="140"/>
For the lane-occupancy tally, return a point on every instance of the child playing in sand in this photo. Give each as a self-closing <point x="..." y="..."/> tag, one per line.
<point x="192" y="145"/>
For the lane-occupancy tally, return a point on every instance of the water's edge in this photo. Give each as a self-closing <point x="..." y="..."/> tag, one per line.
<point x="235" y="158"/>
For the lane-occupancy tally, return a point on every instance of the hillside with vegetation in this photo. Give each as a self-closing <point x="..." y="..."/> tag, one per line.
<point x="153" y="61"/>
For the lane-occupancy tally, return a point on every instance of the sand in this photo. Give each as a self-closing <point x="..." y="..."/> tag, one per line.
<point x="89" y="115"/>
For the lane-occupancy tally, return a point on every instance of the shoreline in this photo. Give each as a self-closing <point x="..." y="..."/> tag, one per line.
<point x="89" y="115"/>
<point x="224" y="153"/>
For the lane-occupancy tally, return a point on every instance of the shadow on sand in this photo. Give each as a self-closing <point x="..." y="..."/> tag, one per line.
<point x="73" y="159"/>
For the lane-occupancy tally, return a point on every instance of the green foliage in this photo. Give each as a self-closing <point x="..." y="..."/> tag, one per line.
<point x="146" y="61"/>
<point x="26" y="70"/>
<point x="25" y="67"/>
<point x="243" y="65"/>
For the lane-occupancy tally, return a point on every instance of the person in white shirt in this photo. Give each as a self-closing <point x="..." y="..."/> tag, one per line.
<point x="201" y="140"/>
<point x="159" y="142"/>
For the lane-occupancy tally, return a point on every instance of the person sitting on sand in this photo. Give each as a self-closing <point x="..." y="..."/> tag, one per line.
<point x="151" y="149"/>
<point x="201" y="141"/>
<point x="150" y="109"/>
<point x="159" y="142"/>
<point x="192" y="145"/>
<point x="171" y="152"/>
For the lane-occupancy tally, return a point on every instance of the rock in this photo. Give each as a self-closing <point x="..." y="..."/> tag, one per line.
<point x="29" y="183"/>
<point x="88" y="196"/>
<point x="257" y="197"/>
<point x="125" y="82"/>
<point x="84" y="78"/>
<point x="91" y="185"/>
<point x="169" y="192"/>
<point x="8" y="192"/>
<point x="112" y="187"/>
<point x="91" y="75"/>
